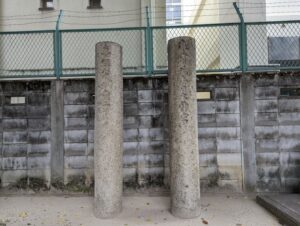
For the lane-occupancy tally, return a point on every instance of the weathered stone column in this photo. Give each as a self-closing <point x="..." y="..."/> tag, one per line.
<point x="184" y="165"/>
<point x="108" y="152"/>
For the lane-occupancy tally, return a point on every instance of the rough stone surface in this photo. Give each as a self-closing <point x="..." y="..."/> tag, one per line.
<point x="184" y="167"/>
<point x="108" y="130"/>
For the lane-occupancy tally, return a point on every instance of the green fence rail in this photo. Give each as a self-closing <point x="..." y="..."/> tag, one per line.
<point x="231" y="47"/>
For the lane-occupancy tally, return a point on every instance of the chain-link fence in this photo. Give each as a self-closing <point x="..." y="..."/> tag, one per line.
<point x="273" y="46"/>
<point x="263" y="46"/>
<point x="27" y="54"/>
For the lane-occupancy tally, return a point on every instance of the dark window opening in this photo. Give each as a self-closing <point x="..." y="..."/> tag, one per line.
<point x="46" y="5"/>
<point x="95" y="4"/>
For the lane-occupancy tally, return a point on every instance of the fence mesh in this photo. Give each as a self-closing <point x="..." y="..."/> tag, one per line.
<point x="78" y="50"/>
<point x="26" y="54"/>
<point x="217" y="46"/>
<point x="273" y="45"/>
<point x="266" y="46"/>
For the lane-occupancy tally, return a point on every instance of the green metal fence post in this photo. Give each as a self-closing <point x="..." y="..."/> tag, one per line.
<point x="242" y="40"/>
<point x="58" y="48"/>
<point x="149" y="43"/>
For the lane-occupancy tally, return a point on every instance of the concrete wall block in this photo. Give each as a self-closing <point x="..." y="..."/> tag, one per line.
<point x="268" y="185"/>
<point x="39" y="163"/>
<point x="76" y="136"/>
<point x="90" y="149"/>
<point x="75" y="123"/>
<point x="228" y="120"/>
<point x="152" y="147"/>
<point x="289" y="118"/>
<point x="156" y="134"/>
<point x="72" y="85"/>
<point x="288" y="80"/>
<point x="268" y="159"/>
<point x="292" y="185"/>
<point x="228" y="132"/>
<point x="14" y="150"/>
<point x="144" y="83"/>
<point x="77" y="162"/>
<point x="209" y="173"/>
<point x="40" y="137"/>
<point x="130" y="161"/>
<point x="266" y="80"/>
<point x="208" y="159"/>
<point x="150" y="108"/>
<point x="14" y="163"/>
<point x="294" y="158"/>
<point x="266" y="106"/>
<point x="289" y="105"/>
<point x="91" y="111"/>
<point x="14" y="124"/>
<point x="38" y="99"/>
<point x="15" y="137"/>
<point x="130" y="148"/>
<point x="228" y="107"/>
<point x="75" y="149"/>
<point x="226" y="93"/>
<point x="78" y="98"/>
<point x="145" y="96"/>
<point x="263" y="93"/>
<point x="268" y="172"/>
<point x="291" y="171"/>
<point x="207" y="145"/>
<point x="229" y="146"/>
<point x="41" y="174"/>
<point x="155" y="121"/>
<point x="10" y="111"/>
<point x="39" y="86"/>
<point x="129" y="175"/>
<point x="206" y="82"/>
<point x="266" y="119"/>
<point x="289" y="144"/>
<point x="130" y="122"/>
<point x="39" y="150"/>
<point x="39" y="124"/>
<point x="151" y="160"/>
<point x="230" y="173"/>
<point x="205" y="120"/>
<point x="289" y="131"/>
<point x="266" y="132"/>
<point x="151" y="176"/>
<point x="268" y="145"/>
<point x="91" y="134"/>
<point x="230" y="185"/>
<point x="229" y="159"/>
<point x="13" y="87"/>
<point x="130" y="135"/>
<point x="130" y="97"/>
<point x="12" y="176"/>
<point x="206" y="107"/>
<point x="207" y="133"/>
<point x="38" y="111"/>
<point x="130" y="109"/>
<point x="76" y="111"/>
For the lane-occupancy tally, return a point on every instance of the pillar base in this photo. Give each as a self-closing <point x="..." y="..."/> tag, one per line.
<point x="103" y="213"/>
<point x="185" y="213"/>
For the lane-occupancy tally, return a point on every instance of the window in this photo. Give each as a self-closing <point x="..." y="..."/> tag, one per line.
<point x="46" y="5"/>
<point x="95" y="4"/>
<point x="173" y="12"/>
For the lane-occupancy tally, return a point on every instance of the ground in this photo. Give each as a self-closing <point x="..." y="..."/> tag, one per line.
<point x="217" y="210"/>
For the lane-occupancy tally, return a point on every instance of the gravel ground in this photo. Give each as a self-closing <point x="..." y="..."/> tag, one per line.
<point x="217" y="209"/>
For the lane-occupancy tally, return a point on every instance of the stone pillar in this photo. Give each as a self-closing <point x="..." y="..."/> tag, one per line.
<point x="184" y="164"/>
<point x="108" y="152"/>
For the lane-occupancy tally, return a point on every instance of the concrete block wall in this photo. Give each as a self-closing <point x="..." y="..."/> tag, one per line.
<point x="277" y="133"/>
<point x="26" y="132"/>
<point x="219" y="133"/>
<point x="29" y="139"/>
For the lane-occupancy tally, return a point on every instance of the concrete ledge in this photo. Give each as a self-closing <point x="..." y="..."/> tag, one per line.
<point x="285" y="207"/>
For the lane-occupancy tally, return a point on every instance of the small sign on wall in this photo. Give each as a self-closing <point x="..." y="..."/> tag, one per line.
<point x="204" y="95"/>
<point x="17" y="100"/>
